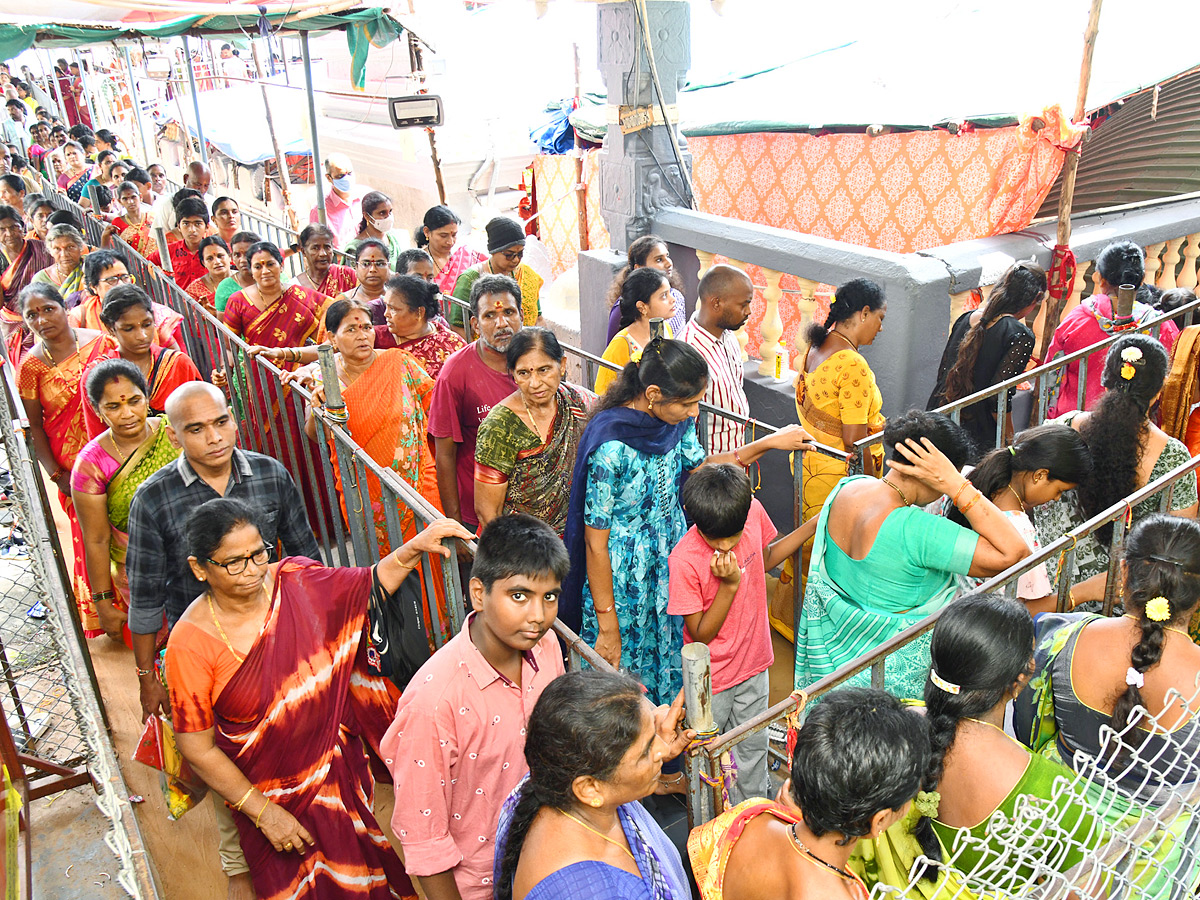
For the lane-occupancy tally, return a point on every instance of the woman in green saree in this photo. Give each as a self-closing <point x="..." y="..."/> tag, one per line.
<point x="107" y="472"/>
<point x="1141" y="685"/>
<point x="525" y="453"/>
<point x="880" y="563"/>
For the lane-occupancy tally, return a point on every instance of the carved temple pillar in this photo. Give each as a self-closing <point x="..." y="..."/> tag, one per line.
<point x="639" y="171"/>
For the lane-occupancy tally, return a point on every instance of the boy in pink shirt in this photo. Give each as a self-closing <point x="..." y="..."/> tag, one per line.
<point x="719" y="586"/>
<point x="456" y="748"/>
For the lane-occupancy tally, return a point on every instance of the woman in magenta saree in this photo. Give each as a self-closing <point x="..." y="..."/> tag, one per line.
<point x="271" y="692"/>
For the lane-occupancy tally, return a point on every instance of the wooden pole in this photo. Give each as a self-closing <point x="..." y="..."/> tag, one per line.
<point x="580" y="187"/>
<point x="698" y="712"/>
<point x="280" y="161"/>
<point x="417" y="63"/>
<point x="1067" y="196"/>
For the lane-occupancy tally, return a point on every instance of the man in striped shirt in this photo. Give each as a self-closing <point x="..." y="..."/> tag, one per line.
<point x="724" y="307"/>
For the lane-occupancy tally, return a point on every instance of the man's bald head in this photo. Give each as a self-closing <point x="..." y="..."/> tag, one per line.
<point x="197" y="177"/>
<point x="199" y="394"/>
<point x="726" y="295"/>
<point x="723" y="281"/>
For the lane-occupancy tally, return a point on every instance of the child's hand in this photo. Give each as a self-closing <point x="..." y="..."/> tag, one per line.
<point x="724" y="566"/>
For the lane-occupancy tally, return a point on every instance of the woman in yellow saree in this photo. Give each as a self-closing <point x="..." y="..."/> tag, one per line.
<point x="107" y="472"/>
<point x="838" y="403"/>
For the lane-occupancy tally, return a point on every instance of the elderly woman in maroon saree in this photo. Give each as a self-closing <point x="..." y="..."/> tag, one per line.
<point x="271" y="690"/>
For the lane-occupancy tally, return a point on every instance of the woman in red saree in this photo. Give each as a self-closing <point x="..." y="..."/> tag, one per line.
<point x="49" y="384"/>
<point x="214" y="253"/>
<point x="133" y="225"/>
<point x="270" y="693"/>
<point x="269" y="314"/>
<point x="128" y="316"/>
<point x="411" y="308"/>
<point x="321" y="273"/>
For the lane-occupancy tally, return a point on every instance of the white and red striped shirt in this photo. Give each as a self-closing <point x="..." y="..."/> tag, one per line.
<point x="725" y="384"/>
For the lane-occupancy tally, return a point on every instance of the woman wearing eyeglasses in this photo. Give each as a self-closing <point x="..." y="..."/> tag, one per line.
<point x="272" y="700"/>
<point x="506" y="246"/>
<point x="376" y="222"/>
<point x="130" y="446"/>
<point x="372" y="268"/>
<point x="128" y="315"/>
<point x="104" y="270"/>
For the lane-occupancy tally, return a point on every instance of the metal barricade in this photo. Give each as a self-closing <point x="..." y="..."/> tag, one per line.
<point x="709" y="756"/>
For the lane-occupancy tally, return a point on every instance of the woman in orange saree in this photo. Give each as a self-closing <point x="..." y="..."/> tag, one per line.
<point x="273" y="699"/>
<point x="387" y="395"/>
<point x="49" y="384"/>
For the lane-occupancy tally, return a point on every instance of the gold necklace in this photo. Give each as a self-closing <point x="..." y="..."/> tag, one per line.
<point x="529" y="412"/>
<point x="117" y="447"/>
<point x="1020" y="501"/>
<point x="605" y="837"/>
<point x="1164" y="628"/>
<point x="805" y="853"/>
<point x="221" y="631"/>
<point x="50" y="356"/>
<point x="997" y="727"/>
<point x="897" y="490"/>
<point x="846" y="339"/>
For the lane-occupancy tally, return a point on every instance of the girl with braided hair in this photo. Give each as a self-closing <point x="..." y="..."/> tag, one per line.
<point x="989" y="345"/>
<point x="1141" y="664"/>
<point x="1128" y="452"/>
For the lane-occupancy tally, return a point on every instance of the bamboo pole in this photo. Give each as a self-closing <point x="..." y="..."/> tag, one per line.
<point x="280" y="161"/>
<point x="1070" y="165"/>
<point x="417" y="64"/>
<point x="580" y="187"/>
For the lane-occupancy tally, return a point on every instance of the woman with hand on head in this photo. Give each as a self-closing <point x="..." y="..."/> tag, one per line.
<point x="1141" y="685"/>
<point x="1041" y="464"/>
<point x="525" y="451"/>
<point x="275" y="706"/>
<point x="645" y="295"/>
<point x="131" y="447"/>
<point x="1128" y="452"/>
<point x="881" y="563"/>
<point x="438" y="234"/>
<point x="49" y="382"/>
<point x="574" y="827"/>
<point x="648" y="251"/>
<point x="989" y="345"/>
<point x="625" y="514"/>
<point x="376" y="224"/>
<point x="321" y="273"/>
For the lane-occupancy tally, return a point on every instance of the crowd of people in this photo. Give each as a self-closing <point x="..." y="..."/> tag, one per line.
<point x="602" y="506"/>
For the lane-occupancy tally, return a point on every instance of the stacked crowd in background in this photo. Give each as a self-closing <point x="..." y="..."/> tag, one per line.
<point x="601" y="505"/>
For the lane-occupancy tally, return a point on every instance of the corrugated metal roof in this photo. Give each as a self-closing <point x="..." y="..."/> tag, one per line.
<point x="1132" y="157"/>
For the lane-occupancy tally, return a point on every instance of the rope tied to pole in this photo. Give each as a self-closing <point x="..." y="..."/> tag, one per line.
<point x="1061" y="275"/>
<point x="800" y="698"/>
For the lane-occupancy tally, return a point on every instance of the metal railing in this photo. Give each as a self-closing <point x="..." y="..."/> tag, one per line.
<point x="709" y="756"/>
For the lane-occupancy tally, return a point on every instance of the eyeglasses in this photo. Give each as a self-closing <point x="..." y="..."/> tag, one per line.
<point x="237" y="565"/>
<point x="114" y="280"/>
<point x="513" y="255"/>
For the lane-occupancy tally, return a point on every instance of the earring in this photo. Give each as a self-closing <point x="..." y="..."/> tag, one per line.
<point x="595" y="801"/>
<point x="651" y="407"/>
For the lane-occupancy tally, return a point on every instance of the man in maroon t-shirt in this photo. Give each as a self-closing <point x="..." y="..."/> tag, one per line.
<point x="471" y="382"/>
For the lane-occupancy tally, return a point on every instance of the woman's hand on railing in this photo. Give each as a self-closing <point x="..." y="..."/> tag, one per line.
<point x="307" y="379"/>
<point x="926" y="463"/>
<point x="271" y="353"/>
<point x="791" y="437"/>
<point x="668" y="722"/>
<point x="106" y="237"/>
<point x="220" y="380"/>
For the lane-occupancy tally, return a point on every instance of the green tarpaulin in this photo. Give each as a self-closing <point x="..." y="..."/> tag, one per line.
<point x="364" y="27"/>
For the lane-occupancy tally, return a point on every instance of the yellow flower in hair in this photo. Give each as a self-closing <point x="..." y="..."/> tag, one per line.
<point x="1158" y="609"/>
<point x="1128" y="371"/>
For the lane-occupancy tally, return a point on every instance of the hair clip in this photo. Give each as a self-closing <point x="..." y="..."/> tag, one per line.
<point x="942" y="684"/>
<point x="1013" y="450"/>
<point x="1162" y="559"/>
<point x="1134" y="678"/>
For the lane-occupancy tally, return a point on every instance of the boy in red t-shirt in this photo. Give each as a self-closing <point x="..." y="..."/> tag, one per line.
<point x="719" y="586"/>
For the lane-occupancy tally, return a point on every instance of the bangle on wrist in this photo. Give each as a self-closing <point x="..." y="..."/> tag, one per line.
<point x="966" y="507"/>
<point x="958" y="493"/>
<point x="260" y="812"/>
<point x="58" y="473"/>
<point x="738" y="456"/>
<point x="103" y="595"/>
<point x="238" y="805"/>
<point x="142" y="673"/>
<point x="600" y="611"/>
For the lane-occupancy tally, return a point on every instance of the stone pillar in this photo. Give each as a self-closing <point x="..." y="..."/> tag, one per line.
<point x="632" y="183"/>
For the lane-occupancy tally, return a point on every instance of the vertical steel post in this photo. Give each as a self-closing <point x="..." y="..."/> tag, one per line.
<point x="191" y="74"/>
<point x="312" y="124"/>
<point x="697" y="703"/>
<point x="137" y="104"/>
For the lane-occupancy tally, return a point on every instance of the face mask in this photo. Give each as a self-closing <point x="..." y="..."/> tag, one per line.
<point x="384" y="224"/>
<point x="344" y="183"/>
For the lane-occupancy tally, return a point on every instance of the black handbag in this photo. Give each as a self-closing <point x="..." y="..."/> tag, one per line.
<point x="398" y="638"/>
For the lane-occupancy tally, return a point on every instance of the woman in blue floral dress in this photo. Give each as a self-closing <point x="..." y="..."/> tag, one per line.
<point x="625" y="516"/>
